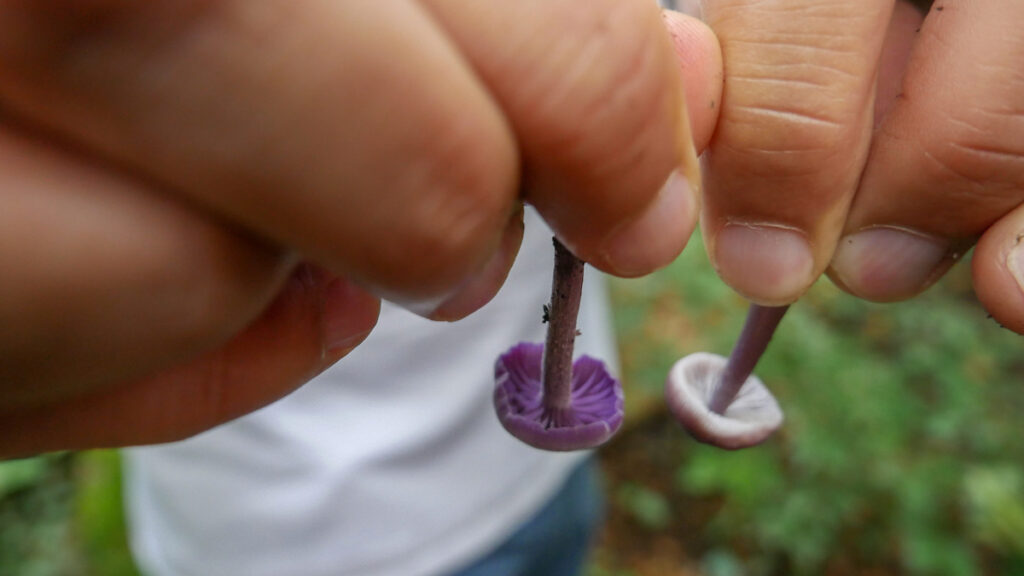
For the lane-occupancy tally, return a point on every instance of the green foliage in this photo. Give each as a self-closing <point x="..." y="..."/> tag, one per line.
<point x="34" y="505"/>
<point x="995" y="506"/>
<point x="60" y="515"/>
<point x="902" y="446"/>
<point x="647" y="506"/>
<point x="99" y="516"/>
<point x="16" y="475"/>
<point x="722" y="563"/>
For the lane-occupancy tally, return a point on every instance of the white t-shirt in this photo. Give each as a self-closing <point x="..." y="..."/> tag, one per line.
<point x="391" y="463"/>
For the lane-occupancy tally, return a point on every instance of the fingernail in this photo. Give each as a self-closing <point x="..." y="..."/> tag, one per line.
<point x="658" y="235"/>
<point x="689" y="163"/>
<point x="767" y="264"/>
<point x="886" y="263"/>
<point x="424" y="307"/>
<point x="690" y="160"/>
<point x="349" y="315"/>
<point x="480" y="289"/>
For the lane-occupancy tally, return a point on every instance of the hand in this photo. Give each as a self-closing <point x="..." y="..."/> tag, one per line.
<point x="813" y="163"/>
<point x="167" y="164"/>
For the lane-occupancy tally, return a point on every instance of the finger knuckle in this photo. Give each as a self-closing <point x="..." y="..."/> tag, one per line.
<point x="461" y="186"/>
<point x="979" y="151"/>
<point x="613" y="82"/>
<point x="786" y="138"/>
<point x="795" y="93"/>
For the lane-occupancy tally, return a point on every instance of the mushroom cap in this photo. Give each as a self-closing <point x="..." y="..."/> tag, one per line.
<point x="751" y="417"/>
<point x="594" y="415"/>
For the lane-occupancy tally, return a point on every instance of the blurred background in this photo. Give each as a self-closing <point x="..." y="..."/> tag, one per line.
<point x="902" y="452"/>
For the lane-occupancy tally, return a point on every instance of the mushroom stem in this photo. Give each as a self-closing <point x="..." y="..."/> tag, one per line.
<point x="757" y="332"/>
<point x="566" y="291"/>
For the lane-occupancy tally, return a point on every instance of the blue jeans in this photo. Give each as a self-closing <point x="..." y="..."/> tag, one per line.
<point x="555" y="542"/>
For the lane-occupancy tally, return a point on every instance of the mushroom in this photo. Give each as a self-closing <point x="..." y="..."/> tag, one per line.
<point x="544" y="398"/>
<point x="719" y="401"/>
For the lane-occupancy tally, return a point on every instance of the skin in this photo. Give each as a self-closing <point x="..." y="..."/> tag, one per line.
<point x="883" y="184"/>
<point x="167" y="167"/>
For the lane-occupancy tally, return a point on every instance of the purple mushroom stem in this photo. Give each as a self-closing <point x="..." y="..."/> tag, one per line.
<point x="757" y="333"/>
<point x="566" y="291"/>
<point x="719" y="400"/>
<point x="544" y="397"/>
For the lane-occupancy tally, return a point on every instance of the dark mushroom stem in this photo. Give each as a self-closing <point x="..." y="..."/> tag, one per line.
<point x="757" y="332"/>
<point x="566" y="292"/>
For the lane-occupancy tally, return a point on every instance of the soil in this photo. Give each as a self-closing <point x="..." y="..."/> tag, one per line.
<point x="646" y="454"/>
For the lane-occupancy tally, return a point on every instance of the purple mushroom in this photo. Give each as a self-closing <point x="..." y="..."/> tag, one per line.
<point x="718" y="400"/>
<point x="544" y="398"/>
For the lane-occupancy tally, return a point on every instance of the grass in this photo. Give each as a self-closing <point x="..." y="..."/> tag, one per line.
<point x="61" y="515"/>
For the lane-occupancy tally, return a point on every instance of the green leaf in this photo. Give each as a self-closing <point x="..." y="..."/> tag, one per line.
<point x="649" y="507"/>
<point x="17" y="475"/>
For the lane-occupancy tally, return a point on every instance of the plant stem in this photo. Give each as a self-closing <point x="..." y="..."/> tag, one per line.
<point x="757" y="333"/>
<point x="566" y="290"/>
